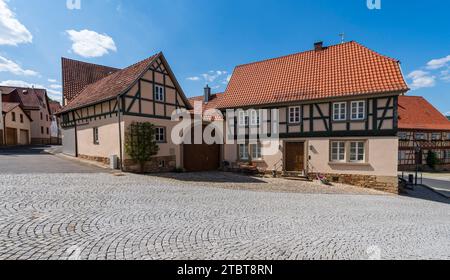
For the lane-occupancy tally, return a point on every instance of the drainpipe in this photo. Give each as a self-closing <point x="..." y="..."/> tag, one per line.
<point x="120" y="133"/>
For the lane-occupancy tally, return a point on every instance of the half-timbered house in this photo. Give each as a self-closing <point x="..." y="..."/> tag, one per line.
<point x="422" y="128"/>
<point x="103" y="102"/>
<point x="337" y="116"/>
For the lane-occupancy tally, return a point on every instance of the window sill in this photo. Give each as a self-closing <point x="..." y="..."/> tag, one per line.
<point x="349" y="163"/>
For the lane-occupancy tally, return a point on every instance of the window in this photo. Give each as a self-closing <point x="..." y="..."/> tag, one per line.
<point x="46" y="117"/>
<point x="255" y="119"/>
<point x="243" y="118"/>
<point x="340" y="111"/>
<point x="448" y="136"/>
<point x="436" y="136"/>
<point x="13" y="116"/>
<point x="337" y="151"/>
<point x="95" y="136"/>
<point x="162" y="164"/>
<point x="421" y="136"/>
<point x="447" y="154"/>
<point x="402" y="155"/>
<point x="243" y="152"/>
<point x="42" y="130"/>
<point x="42" y="116"/>
<point x="357" y="151"/>
<point x="294" y="115"/>
<point x="159" y="93"/>
<point x="160" y="134"/>
<point x="256" y="151"/>
<point x="358" y="110"/>
<point x="21" y="118"/>
<point x="403" y="136"/>
<point x="48" y="131"/>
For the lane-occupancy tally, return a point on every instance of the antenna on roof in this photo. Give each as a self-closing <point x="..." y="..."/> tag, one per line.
<point x="342" y="35"/>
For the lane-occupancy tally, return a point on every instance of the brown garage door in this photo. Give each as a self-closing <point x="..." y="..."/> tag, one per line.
<point x="11" y="136"/>
<point x="201" y="157"/>
<point x="24" y="137"/>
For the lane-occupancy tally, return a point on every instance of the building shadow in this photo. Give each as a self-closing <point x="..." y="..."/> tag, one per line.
<point x="210" y="177"/>
<point x="22" y="150"/>
<point x="421" y="192"/>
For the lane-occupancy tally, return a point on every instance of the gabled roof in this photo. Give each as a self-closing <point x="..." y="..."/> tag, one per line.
<point x="55" y="106"/>
<point x="336" y="71"/>
<point x="212" y="104"/>
<point x="110" y="86"/>
<point x="76" y="75"/>
<point x="29" y="98"/>
<point x="417" y="113"/>
<point x="8" y="107"/>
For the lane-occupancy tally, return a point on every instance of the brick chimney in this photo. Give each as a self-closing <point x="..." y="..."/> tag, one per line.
<point x="207" y="94"/>
<point x="318" y="46"/>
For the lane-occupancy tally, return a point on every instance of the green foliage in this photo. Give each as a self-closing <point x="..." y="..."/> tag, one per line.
<point x="432" y="159"/>
<point x="140" y="142"/>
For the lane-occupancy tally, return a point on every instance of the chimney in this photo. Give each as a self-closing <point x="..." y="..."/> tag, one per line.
<point x="207" y="94"/>
<point x="318" y="46"/>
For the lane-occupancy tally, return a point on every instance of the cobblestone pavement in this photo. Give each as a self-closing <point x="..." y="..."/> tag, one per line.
<point x="102" y="216"/>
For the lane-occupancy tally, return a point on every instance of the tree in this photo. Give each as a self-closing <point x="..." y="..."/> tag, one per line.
<point x="140" y="143"/>
<point x="432" y="159"/>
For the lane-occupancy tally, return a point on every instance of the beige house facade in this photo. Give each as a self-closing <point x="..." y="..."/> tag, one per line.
<point x="96" y="120"/>
<point x="16" y="127"/>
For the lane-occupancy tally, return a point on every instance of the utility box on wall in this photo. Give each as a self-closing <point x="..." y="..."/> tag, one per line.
<point x="114" y="162"/>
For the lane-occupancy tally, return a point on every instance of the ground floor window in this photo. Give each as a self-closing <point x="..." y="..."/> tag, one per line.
<point x="357" y="151"/>
<point x="243" y="152"/>
<point x="95" y="136"/>
<point x="256" y="151"/>
<point x="160" y="134"/>
<point x="337" y="151"/>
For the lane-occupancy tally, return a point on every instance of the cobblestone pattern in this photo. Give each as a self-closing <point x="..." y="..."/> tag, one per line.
<point x="100" y="216"/>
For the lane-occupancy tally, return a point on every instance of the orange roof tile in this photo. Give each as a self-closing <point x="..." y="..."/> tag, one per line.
<point x="417" y="113"/>
<point x="335" y="71"/>
<point x="212" y="104"/>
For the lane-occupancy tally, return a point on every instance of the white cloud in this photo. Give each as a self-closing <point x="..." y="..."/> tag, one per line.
<point x="53" y="94"/>
<point x="438" y="63"/>
<point x="52" y="81"/>
<point x="211" y="76"/>
<point x="12" y="32"/>
<point x="55" y="86"/>
<point x="193" y="78"/>
<point x="87" y="43"/>
<point x="445" y="75"/>
<point x="10" y="66"/>
<point x="421" y="79"/>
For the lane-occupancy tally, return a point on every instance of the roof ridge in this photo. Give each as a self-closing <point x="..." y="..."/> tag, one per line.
<point x="89" y="63"/>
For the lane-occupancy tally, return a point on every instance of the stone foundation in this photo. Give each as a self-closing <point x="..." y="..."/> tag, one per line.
<point x="94" y="158"/>
<point x="153" y="166"/>
<point x="379" y="183"/>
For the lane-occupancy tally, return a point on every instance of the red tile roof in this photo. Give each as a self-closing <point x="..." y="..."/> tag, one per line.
<point x="212" y="104"/>
<point x="110" y="86"/>
<point x="417" y="113"/>
<point x="8" y="107"/>
<point x="76" y="75"/>
<point x="55" y="106"/>
<point x="29" y="98"/>
<point x="336" y="71"/>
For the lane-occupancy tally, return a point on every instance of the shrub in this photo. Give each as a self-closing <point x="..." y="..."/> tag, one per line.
<point x="140" y="143"/>
<point x="432" y="159"/>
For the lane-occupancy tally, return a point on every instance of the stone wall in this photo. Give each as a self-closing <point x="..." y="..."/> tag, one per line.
<point x="97" y="159"/>
<point x="379" y="183"/>
<point x="153" y="166"/>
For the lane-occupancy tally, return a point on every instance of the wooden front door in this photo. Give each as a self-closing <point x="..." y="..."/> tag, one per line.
<point x="295" y="156"/>
<point x="11" y="136"/>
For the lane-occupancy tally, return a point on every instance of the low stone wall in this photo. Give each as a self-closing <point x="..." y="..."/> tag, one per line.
<point x="169" y="164"/>
<point x="94" y="158"/>
<point x="424" y="168"/>
<point x="379" y="183"/>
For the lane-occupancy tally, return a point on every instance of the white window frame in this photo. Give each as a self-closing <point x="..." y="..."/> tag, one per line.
<point x="256" y="151"/>
<point x="255" y="117"/>
<point x="340" y="151"/>
<point x="403" y="135"/>
<point x="420" y="133"/>
<point x="243" y="118"/>
<point x="295" y="115"/>
<point x="338" y="106"/>
<point x="243" y="152"/>
<point x="357" y="151"/>
<point x="402" y="155"/>
<point x="160" y="134"/>
<point x="159" y="93"/>
<point x="358" y="110"/>
<point x="439" y="136"/>
<point x="448" y="135"/>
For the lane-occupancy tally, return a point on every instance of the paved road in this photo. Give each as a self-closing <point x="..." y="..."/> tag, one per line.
<point x="100" y="216"/>
<point x="35" y="160"/>
<point x="440" y="186"/>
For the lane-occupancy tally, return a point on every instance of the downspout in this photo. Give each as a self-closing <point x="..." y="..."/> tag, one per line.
<point x="120" y="132"/>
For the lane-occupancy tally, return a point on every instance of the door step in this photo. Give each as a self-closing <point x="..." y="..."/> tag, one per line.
<point x="295" y="176"/>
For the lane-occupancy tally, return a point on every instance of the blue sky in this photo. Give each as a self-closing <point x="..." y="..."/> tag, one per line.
<point x="204" y="40"/>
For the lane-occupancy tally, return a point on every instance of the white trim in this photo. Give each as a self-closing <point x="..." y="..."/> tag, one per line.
<point x="294" y="114"/>
<point x="339" y="114"/>
<point x="358" y="107"/>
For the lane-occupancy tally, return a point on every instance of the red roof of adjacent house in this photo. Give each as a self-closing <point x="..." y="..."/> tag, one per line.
<point x="212" y="104"/>
<point x="417" y="113"/>
<point x="335" y="71"/>
<point x="55" y="106"/>
<point x="8" y="107"/>
<point x="109" y="86"/>
<point x="29" y="98"/>
<point x="76" y="75"/>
